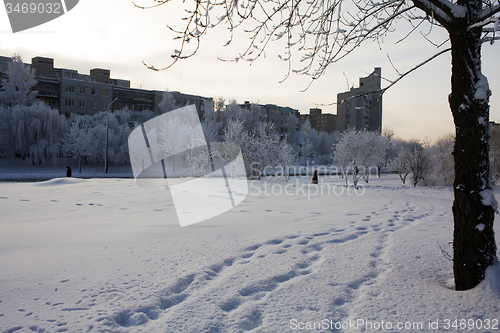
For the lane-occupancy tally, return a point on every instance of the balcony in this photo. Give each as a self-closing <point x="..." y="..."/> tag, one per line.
<point x="47" y="93"/>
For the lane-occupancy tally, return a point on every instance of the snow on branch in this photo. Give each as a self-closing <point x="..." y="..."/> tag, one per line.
<point x="489" y="11"/>
<point x="319" y="32"/>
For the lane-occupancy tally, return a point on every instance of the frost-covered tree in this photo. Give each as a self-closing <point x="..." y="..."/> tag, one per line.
<point x="167" y="102"/>
<point x="33" y="132"/>
<point x="307" y="150"/>
<point x="211" y="127"/>
<point x="324" y="32"/>
<point x="418" y="158"/>
<point x="93" y="147"/>
<point x="359" y="152"/>
<point x="16" y="89"/>
<point x="249" y="118"/>
<point x="259" y="148"/>
<point x="77" y="142"/>
<point x="345" y="156"/>
<point x="170" y="137"/>
<point x="320" y="140"/>
<point x="285" y="157"/>
<point x="142" y="117"/>
<point x="233" y="131"/>
<point x="292" y="129"/>
<point x="442" y="155"/>
<point x="400" y="166"/>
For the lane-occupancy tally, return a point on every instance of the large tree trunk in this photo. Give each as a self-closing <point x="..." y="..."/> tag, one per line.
<point x="474" y="206"/>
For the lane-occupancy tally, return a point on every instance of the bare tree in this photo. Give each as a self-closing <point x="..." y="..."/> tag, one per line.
<point x="324" y="31"/>
<point x="417" y="157"/>
<point x="400" y="167"/>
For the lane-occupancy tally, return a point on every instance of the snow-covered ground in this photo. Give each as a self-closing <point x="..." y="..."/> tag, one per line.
<point x="105" y="255"/>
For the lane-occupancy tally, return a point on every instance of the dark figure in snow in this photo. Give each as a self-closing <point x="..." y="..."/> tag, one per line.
<point x="315" y="177"/>
<point x="68" y="172"/>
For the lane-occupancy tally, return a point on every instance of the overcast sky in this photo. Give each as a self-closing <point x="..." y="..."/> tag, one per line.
<point x="114" y="34"/>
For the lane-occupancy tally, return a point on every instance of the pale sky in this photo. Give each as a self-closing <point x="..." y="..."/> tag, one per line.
<point x="114" y="34"/>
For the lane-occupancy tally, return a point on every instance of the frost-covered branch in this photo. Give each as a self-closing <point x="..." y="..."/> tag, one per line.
<point x="489" y="11"/>
<point x="320" y="32"/>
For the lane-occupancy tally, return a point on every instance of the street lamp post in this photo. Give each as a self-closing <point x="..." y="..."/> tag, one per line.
<point x="107" y="137"/>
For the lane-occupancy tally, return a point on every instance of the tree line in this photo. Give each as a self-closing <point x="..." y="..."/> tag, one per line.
<point x="31" y="130"/>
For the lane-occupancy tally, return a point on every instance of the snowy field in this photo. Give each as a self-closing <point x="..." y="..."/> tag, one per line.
<point x="104" y="255"/>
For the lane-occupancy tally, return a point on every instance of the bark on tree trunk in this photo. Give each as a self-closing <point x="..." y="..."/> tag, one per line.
<point x="474" y="243"/>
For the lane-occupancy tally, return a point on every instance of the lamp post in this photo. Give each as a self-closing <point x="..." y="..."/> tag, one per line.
<point x="107" y="137"/>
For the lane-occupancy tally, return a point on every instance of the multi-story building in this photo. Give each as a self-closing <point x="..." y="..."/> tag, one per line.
<point x="72" y="92"/>
<point x="274" y="114"/>
<point x="182" y="100"/>
<point x="325" y="122"/>
<point x="361" y="108"/>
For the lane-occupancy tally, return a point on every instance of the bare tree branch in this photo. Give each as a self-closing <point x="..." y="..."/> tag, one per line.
<point x="391" y="83"/>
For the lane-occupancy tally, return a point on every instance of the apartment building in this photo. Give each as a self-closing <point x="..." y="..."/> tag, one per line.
<point x="361" y="108"/>
<point x="320" y="121"/>
<point x="73" y="92"/>
<point x="274" y="114"/>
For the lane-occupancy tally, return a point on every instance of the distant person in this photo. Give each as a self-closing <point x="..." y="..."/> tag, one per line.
<point x="315" y="177"/>
<point x="68" y="172"/>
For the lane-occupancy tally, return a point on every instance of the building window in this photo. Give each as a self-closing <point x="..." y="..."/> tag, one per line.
<point x="70" y="89"/>
<point x="142" y="107"/>
<point x="70" y="102"/>
<point x="82" y="90"/>
<point x="92" y="104"/>
<point x="82" y="104"/>
<point x="104" y="105"/>
<point x="104" y="92"/>
<point x="92" y="91"/>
